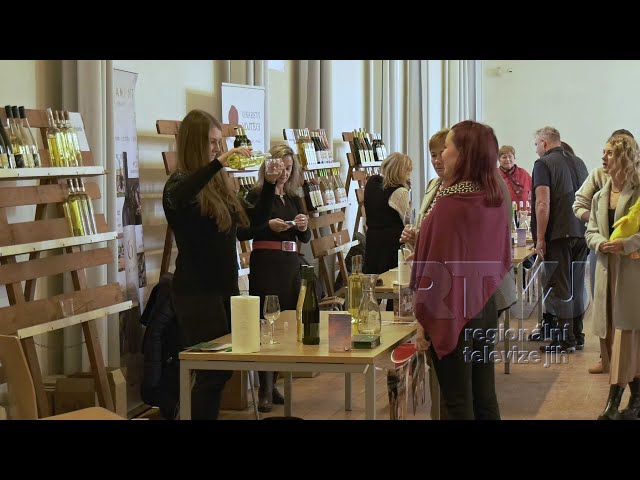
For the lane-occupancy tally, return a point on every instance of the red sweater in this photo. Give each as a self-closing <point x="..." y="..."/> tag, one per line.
<point x="519" y="184"/>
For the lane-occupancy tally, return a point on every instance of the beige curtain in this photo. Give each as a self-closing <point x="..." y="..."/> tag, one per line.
<point x="463" y="91"/>
<point x="86" y="88"/>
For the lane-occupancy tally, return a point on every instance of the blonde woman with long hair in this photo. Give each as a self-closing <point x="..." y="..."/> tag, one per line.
<point x="614" y="312"/>
<point x="206" y="217"/>
<point x="275" y="260"/>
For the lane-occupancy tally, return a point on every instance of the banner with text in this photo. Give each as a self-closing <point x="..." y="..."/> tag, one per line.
<point x="244" y="105"/>
<point x="131" y="262"/>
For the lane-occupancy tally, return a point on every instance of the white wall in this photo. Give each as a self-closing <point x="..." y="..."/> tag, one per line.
<point x="585" y="100"/>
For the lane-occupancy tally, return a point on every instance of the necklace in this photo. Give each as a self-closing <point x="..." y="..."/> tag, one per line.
<point x="614" y="191"/>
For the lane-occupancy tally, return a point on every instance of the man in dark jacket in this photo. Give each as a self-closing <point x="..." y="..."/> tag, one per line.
<point x="559" y="236"/>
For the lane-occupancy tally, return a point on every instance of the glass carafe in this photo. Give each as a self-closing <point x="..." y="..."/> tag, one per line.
<point x="369" y="318"/>
<point x="523" y="219"/>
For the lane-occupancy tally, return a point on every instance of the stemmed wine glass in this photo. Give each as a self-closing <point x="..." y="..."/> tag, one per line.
<point x="271" y="312"/>
<point x="409" y="221"/>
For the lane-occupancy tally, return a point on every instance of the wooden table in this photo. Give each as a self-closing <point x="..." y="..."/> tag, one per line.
<point x="290" y="356"/>
<point x="519" y="255"/>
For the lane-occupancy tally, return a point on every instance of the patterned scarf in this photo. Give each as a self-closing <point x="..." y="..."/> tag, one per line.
<point x="461" y="187"/>
<point x="517" y="187"/>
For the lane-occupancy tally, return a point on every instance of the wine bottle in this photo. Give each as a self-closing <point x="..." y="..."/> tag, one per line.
<point x="310" y="311"/>
<point x="247" y="140"/>
<point x="238" y="142"/>
<point x="6" y="156"/>
<point x="88" y="205"/>
<point x="68" y="151"/>
<point x="354" y="291"/>
<point x="15" y="140"/>
<point x="355" y="150"/>
<point x="75" y="154"/>
<point x="129" y="237"/>
<point x="300" y="304"/>
<point x="28" y="137"/>
<point x="67" y="215"/>
<point x="240" y="162"/>
<point x="75" y="211"/>
<point x="55" y="142"/>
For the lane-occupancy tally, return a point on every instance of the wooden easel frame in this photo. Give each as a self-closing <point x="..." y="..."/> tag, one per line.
<point x="27" y="317"/>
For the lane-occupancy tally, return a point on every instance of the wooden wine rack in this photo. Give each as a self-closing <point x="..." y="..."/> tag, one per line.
<point x="359" y="172"/>
<point x="329" y="216"/>
<point x="25" y="316"/>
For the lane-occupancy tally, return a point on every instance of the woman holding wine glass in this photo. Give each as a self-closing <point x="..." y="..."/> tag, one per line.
<point x="275" y="260"/>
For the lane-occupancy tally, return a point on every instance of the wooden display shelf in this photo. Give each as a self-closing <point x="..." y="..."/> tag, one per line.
<point x="159" y="251"/>
<point x="328" y="208"/>
<point x="342" y="248"/>
<point x="320" y="166"/>
<point x="73" y="320"/>
<point x="369" y="164"/>
<point x="49" y="230"/>
<point x="49" y="172"/>
<point x="56" y="243"/>
<point x="247" y="172"/>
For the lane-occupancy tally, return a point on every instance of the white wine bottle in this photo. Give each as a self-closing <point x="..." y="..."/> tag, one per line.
<point x="75" y="211"/>
<point x="28" y="137"/>
<point x="354" y="291"/>
<point x="15" y="140"/>
<point x="240" y="162"/>
<point x="72" y="140"/>
<point x="55" y="142"/>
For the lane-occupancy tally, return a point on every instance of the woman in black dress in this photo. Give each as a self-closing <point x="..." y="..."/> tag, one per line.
<point x="275" y="263"/>
<point x="206" y="218"/>
<point x="387" y="206"/>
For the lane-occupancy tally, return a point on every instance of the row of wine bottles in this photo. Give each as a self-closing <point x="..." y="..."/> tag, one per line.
<point x="312" y="146"/>
<point x="78" y="210"/>
<point x="367" y="147"/>
<point x="323" y="187"/>
<point x="18" y="148"/>
<point x="246" y="185"/>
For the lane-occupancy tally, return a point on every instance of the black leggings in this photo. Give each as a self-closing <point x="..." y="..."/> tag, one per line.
<point x="468" y="387"/>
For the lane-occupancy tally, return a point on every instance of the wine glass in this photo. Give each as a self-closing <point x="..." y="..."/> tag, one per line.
<point x="271" y="312"/>
<point x="409" y="222"/>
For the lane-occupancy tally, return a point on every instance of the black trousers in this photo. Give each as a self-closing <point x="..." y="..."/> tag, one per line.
<point x="202" y="318"/>
<point x="564" y="272"/>
<point x="468" y="387"/>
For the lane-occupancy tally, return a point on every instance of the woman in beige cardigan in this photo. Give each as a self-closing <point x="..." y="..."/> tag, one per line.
<point x="614" y="312"/>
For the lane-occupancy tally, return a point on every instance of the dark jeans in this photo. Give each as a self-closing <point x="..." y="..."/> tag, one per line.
<point x="564" y="272"/>
<point x="468" y="387"/>
<point x="203" y="318"/>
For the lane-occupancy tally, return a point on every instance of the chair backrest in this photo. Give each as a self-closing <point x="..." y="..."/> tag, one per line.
<point x="22" y="395"/>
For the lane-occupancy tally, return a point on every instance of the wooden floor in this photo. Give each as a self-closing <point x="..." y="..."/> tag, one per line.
<point x="530" y="392"/>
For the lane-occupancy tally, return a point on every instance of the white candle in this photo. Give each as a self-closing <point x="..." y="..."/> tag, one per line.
<point x="245" y="324"/>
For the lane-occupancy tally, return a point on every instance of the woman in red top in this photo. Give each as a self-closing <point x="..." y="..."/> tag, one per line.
<point x="517" y="178"/>
<point x="461" y="256"/>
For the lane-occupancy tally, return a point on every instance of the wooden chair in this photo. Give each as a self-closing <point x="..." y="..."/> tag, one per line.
<point x="22" y="395"/>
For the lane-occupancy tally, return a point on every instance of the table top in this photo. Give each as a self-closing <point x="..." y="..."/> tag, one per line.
<point x="289" y="350"/>
<point x="519" y="255"/>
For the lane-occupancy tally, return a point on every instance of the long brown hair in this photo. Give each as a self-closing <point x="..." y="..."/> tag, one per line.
<point x="216" y="199"/>
<point x="478" y="151"/>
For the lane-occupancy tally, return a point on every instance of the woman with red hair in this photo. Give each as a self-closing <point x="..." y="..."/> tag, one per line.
<point x="462" y="255"/>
